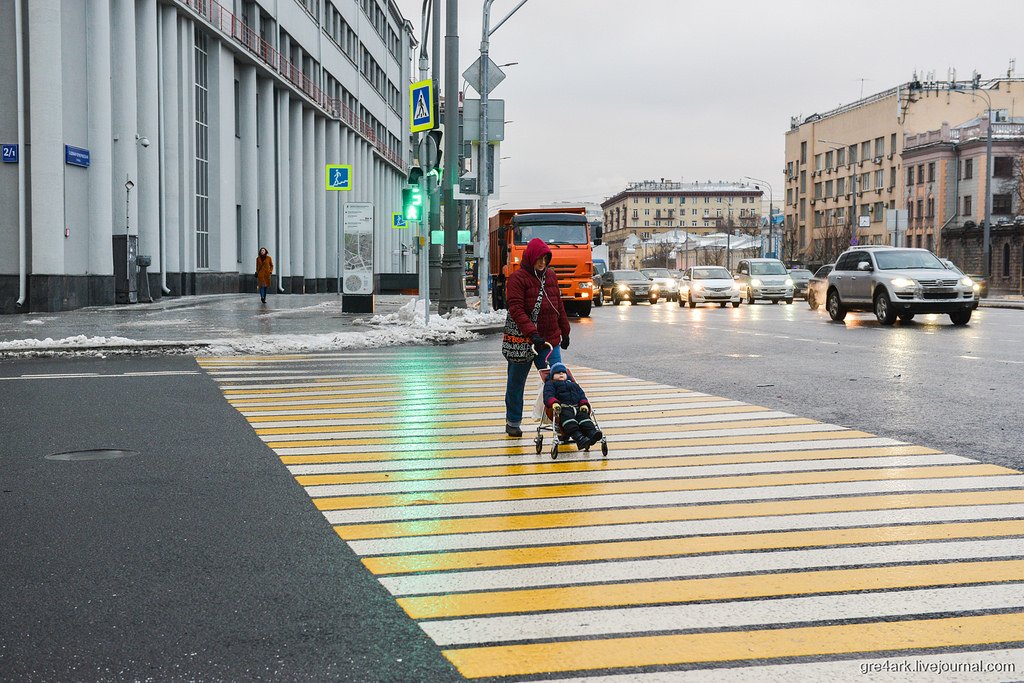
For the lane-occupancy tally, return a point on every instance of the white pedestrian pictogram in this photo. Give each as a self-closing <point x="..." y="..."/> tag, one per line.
<point x="422" y="111"/>
<point x="338" y="177"/>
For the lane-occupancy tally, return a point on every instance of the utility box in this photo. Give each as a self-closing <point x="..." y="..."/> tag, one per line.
<point x="126" y="274"/>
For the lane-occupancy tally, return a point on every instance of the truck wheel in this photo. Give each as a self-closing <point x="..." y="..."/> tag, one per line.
<point x="584" y="310"/>
<point x="836" y="310"/>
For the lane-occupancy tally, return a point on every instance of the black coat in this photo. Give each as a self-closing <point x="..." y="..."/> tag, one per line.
<point x="565" y="391"/>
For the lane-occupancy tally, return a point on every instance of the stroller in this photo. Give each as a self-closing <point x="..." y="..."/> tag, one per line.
<point x="549" y="422"/>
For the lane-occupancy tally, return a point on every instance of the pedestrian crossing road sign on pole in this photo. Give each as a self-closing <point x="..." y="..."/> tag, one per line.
<point x="421" y="106"/>
<point x="398" y="220"/>
<point x="339" y="177"/>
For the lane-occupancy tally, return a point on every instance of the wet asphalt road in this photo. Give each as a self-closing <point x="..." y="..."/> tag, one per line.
<point x="926" y="382"/>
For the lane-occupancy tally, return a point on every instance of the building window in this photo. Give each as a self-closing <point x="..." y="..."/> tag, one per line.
<point x="1002" y="167"/>
<point x="879" y="179"/>
<point x="930" y="208"/>
<point x="803" y="152"/>
<point x="892" y="177"/>
<point x="1006" y="259"/>
<point x="817" y="190"/>
<point x="818" y="162"/>
<point x="828" y="188"/>
<point x="803" y="181"/>
<point x="910" y="175"/>
<point x="202" y="142"/>
<point x="1001" y="205"/>
<point x="968" y="169"/>
<point x="879" y="147"/>
<point x="920" y="174"/>
<point x="840" y="156"/>
<point x="892" y="143"/>
<point x="879" y="211"/>
<point x="238" y="111"/>
<point x="841" y="186"/>
<point x="967" y="205"/>
<point x="828" y="159"/>
<point x="853" y="154"/>
<point x="865" y="150"/>
<point x="910" y="211"/>
<point x="931" y="171"/>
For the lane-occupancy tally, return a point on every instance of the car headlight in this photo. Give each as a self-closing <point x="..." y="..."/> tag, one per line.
<point x="698" y="287"/>
<point x="586" y="285"/>
<point x="756" y="283"/>
<point x="977" y="288"/>
<point x="654" y="286"/>
<point x="967" y="282"/>
<point x="903" y="283"/>
<point x="789" y="282"/>
<point x="623" y="287"/>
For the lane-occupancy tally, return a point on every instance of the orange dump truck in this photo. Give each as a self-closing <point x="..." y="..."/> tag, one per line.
<point x="568" y="234"/>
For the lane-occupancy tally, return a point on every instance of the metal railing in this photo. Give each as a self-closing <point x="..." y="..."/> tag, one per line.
<point x="241" y="33"/>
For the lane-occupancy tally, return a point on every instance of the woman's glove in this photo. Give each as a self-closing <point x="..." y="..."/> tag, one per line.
<point x="539" y="343"/>
<point x="565" y="342"/>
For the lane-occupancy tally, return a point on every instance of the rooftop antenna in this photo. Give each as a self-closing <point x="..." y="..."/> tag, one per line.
<point x="862" y="85"/>
<point x="1012" y="67"/>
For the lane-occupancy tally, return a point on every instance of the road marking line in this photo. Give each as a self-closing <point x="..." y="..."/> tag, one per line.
<point x="608" y="653"/>
<point x="693" y="545"/>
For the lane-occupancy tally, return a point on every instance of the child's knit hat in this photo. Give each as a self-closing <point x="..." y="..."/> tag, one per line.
<point x="558" y="367"/>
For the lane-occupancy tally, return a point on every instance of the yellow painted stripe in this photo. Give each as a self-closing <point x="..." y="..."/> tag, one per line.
<point x="526" y="449"/>
<point x="676" y="591"/>
<point x="688" y="545"/>
<point x="666" y="650"/>
<point x="655" y="485"/>
<point x="420" y="436"/>
<point x="476" y="410"/>
<point x="435" y="401"/>
<point x="674" y="513"/>
<point x="659" y="443"/>
<point x="605" y="465"/>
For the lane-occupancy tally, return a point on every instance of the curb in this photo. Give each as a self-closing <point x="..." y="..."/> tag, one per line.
<point x="488" y="329"/>
<point x="1002" y="304"/>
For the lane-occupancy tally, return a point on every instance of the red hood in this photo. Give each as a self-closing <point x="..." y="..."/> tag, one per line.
<point x="534" y="251"/>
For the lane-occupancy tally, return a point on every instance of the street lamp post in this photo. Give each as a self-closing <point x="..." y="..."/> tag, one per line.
<point x="771" y="204"/>
<point x="482" y="226"/>
<point x="987" y="232"/>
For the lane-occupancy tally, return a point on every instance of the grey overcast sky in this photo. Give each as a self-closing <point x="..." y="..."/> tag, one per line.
<point x="610" y="92"/>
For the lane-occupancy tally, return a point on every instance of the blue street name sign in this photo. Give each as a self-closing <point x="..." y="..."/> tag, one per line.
<point x="76" y="156"/>
<point x="9" y="153"/>
<point x="421" y="106"/>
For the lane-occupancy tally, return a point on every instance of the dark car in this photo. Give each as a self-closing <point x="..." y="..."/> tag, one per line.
<point x="980" y="281"/>
<point x="628" y="285"/>
<point x="600" y="268"/>
<point x="800" y="277"/>
<point x="817" y="286"/>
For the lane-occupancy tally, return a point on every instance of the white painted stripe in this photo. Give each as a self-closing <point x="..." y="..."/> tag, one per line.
<point x="397" y="513"/>
<point x="502" y="441"/>
<point x="926" y="668"/>
<point x="490" y="460"/>
<point x="684" y="420"/>
<point x="385" y="381"/>
<point x="648" y="451"/>
<point x="265" y="391"/>
<point x="700" y="527"/>
<point x="749" y="613"/>
<point x="638" y="474"/>
<point x="698" y="566"/>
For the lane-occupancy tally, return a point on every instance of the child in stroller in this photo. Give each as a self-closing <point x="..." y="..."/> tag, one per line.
<point x="570" y="407"/>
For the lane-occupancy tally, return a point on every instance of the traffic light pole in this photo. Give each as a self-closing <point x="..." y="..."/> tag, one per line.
<point x="423" y="218"/>
<point x="452" y="293"/>
<point x="432" y="182"/>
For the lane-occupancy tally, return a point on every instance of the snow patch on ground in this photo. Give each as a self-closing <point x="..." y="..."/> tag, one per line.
<point x="411" y="315"/>
<point x="398" y="336"/>
<point x="77" y="341"/>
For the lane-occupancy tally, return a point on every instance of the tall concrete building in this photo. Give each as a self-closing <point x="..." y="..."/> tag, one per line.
<point x="844" y="167"/>
<point x="646" y="208"/>
<point x="201" y="129"/>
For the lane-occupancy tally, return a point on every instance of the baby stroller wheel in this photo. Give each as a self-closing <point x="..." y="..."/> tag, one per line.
<point x="604" y="448"/>
<point x="554" y="451"/>
<point x="539" y="443"/>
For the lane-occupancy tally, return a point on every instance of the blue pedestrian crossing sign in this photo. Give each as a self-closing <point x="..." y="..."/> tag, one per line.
<point x="398" y="220"/>
<point x="339" y="177"/>
<point x="421" y="106"/>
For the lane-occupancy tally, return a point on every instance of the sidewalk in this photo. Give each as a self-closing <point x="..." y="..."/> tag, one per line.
<point x="1009" y="301"/>
<point x="223" y="324"/>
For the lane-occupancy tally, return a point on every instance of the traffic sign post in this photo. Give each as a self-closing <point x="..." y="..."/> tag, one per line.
<point x="421" y="106"/>
<point x="338" y="177"/>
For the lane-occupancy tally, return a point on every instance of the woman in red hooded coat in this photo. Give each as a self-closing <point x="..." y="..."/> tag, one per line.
<point x="551" y="327"/>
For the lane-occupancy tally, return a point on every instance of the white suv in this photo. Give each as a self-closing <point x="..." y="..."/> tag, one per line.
<point x="896" y="282"/>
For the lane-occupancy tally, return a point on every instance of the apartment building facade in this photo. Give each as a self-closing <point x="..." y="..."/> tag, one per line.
<point x="202" y="130"/>
<point x="647" y="208"/>
<point x="844" y="168"/>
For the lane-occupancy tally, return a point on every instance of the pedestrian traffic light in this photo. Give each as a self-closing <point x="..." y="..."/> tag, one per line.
<point x="412" y="203"/>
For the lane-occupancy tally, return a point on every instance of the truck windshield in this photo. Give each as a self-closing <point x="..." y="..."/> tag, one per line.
<point x="768" y="268"/>
<point x="555" y="233"/>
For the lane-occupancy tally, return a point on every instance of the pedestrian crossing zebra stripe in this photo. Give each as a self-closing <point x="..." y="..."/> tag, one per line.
<point x="724" y="646"/>
<point x="767" y="519"/>
<point x="582" y="518"/>
<point x="694" y="545"/>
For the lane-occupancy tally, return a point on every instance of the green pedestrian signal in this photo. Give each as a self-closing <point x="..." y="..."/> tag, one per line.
<point x="412" y="203"/>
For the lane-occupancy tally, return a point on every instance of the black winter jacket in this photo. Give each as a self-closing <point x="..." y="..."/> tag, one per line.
<point x="565" y="391"/>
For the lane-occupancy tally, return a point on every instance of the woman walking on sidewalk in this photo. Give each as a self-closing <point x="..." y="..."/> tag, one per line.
<point x="535" y="305"/>
<point x="264" y="269"/>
